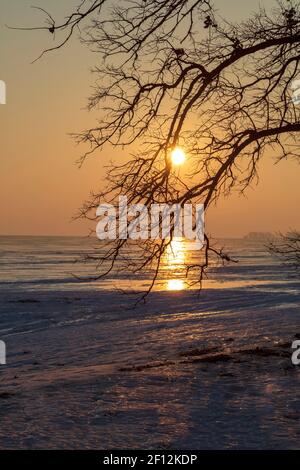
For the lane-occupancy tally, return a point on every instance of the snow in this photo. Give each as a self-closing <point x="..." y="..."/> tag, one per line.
<point x="87" y="370"/>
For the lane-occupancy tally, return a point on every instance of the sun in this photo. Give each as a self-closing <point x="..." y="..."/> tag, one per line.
<point x="178" y="156"/>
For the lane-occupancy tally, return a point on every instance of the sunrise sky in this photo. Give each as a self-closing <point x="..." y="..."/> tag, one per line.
<point x="40" y="185"/>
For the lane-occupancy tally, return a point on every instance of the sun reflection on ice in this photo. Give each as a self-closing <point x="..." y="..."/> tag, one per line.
<point x="174" y="262"/>
<point x="175" y="284"/>
<point x="175" y="253"/>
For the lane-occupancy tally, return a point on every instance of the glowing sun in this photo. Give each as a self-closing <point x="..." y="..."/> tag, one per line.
<point x="178" y="156"/>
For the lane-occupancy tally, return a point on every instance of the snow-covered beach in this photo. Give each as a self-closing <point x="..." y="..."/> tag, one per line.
<point x="86" y="370"/>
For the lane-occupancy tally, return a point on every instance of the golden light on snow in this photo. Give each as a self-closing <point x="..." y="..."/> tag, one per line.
<point x="174" y="261"/>
<point x="178" y="156"/>
<point x="175" y="253"/>
<point x="175" y="284"/>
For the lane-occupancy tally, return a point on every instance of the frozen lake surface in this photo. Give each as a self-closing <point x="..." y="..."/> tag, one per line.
<point x="86" y="370"/>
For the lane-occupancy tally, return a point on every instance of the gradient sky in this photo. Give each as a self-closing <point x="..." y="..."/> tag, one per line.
<point x="40" y="185"/>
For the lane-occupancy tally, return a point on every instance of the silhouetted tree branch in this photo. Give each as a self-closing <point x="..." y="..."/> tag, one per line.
<point x="288" y="249"/>
<point x="173" y="73"/>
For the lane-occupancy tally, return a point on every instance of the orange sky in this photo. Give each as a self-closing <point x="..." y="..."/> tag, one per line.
<point x="40" y="185"/>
